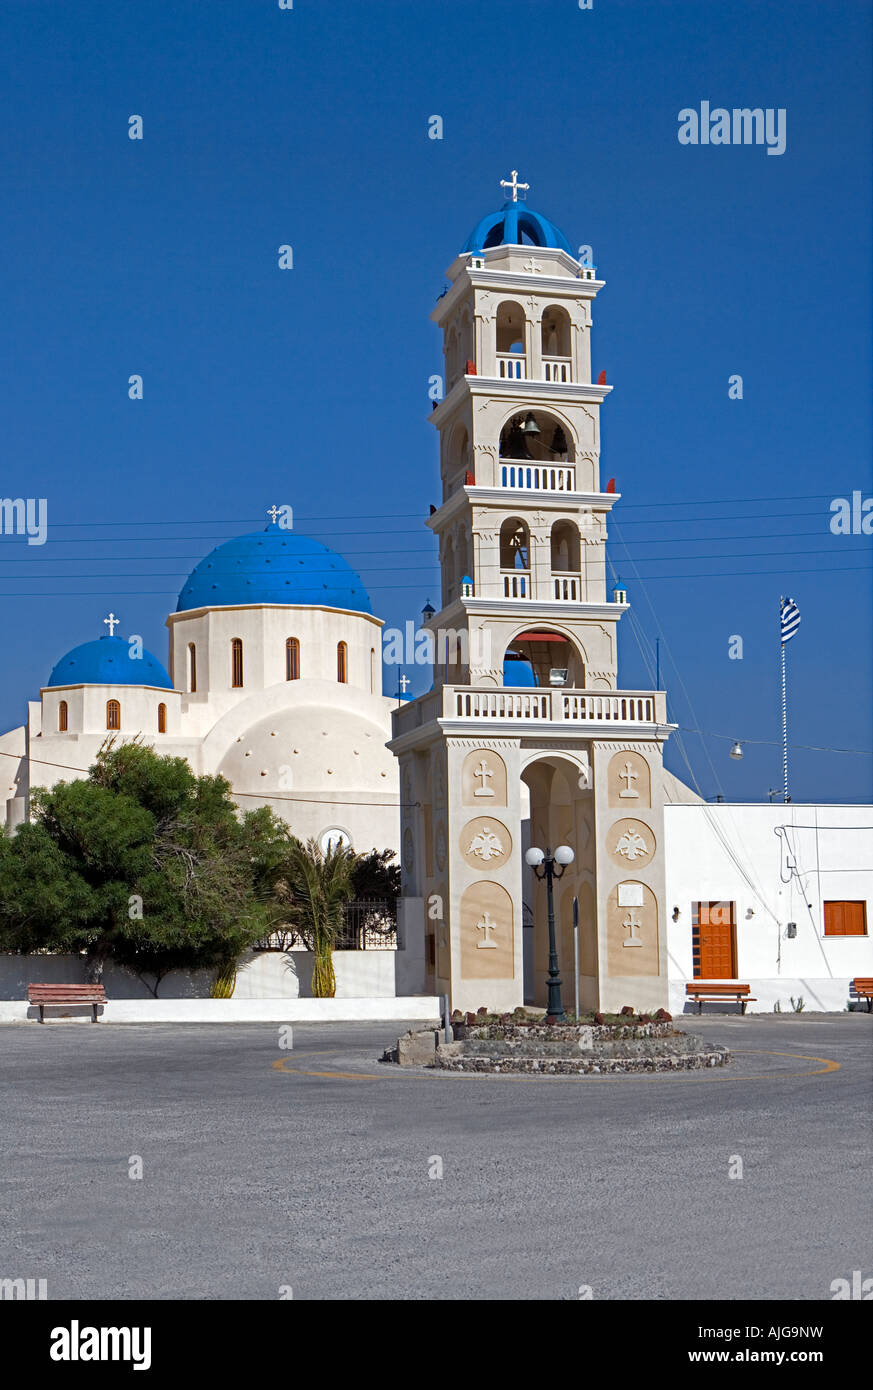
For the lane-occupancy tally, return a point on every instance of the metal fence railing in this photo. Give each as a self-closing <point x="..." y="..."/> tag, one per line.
<point x="369" y="924"/>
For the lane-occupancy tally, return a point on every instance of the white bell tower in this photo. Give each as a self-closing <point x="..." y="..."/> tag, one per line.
<point x="526" y="722"/>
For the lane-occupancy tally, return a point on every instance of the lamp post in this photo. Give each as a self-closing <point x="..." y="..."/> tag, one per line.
<point x="551" y="866"/>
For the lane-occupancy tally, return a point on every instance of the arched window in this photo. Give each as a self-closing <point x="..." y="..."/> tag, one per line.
<point x="162" y="719"/>
<point x="342" y="662"/>
<point x="556" y="344"/>
<point x="63" y="716"/>
<point x="514" y="544"/>
<point x="511" y="326"/>
<point x="236" y="663"/>
<point x="192" y="668"/>
<point x="448" y="566"/>
<point x="565" y="547"/>
<point x="113" y="714"/>
<point x="372" y="670"/>
<point x="292" y="659"/>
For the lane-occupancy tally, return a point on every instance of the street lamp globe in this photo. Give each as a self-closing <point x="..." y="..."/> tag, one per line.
<point x="534" y="857"/>
<point x="564" y="855"/>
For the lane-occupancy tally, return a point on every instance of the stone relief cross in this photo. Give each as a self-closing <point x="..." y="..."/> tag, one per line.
<point x="486" y="925"/>
<point x="483" y="771"/>
<point x="629" y="776"/>
<point x="632" y="925"/>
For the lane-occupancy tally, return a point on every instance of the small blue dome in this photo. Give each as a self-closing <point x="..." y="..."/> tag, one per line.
<point x="273" y="566"/>
<point x="508" y="227"/>
<point x="517" y="672"/>
<point x="109" y="661"/>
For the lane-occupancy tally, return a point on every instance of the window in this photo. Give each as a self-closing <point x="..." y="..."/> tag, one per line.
<point x="113" y="714"/>
<point x="162" y="719"/>
<point x="63" y="715"/>
<point x="292" y="659"/>
<point x="236" y="663"/>
<point x="342" y="663"/>
<point x="192" y="668"/>
<point x="372" y="670"/>
<point x="845" y="919"/>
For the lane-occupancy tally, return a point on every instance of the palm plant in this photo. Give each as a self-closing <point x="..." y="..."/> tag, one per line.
<point x="318" y="885"/>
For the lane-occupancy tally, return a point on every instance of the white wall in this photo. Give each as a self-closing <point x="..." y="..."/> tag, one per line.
<point x="261" y="975"/>
<point x="733" y="853"/>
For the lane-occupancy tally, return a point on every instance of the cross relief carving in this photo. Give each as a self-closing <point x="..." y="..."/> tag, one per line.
<point x="632" y="925"/>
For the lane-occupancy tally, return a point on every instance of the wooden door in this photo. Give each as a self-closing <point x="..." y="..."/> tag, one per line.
<point x="714" y="941"/>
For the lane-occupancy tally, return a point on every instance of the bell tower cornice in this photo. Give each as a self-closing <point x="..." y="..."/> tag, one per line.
<point x="584" y="393"/>
<point x="467" y="274"/>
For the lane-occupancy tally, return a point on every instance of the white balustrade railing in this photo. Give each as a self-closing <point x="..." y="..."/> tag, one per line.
<point x="621" y="708"/>
<point x="516" y="584"/>
<point x="539" y="477"/>
<point x="557" y="369"/>
<point x="511" y="366"/>
<point x="570" y="706"/>
<point x="567" y="587"/>
<point x="502" y="704"/>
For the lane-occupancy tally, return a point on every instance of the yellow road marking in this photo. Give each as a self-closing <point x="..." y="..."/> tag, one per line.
<point x="704" y="1073"/>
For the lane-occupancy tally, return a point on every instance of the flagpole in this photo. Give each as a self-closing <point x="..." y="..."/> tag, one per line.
<point x="789" y="622"/>
<point x="786" y="797"/>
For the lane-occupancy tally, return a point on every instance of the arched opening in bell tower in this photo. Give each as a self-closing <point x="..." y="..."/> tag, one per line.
<point x="556" y="344"/>
<point x="511" y="341"/>
<point x="537" y="450"/>
<point x="556" y="809"/>
<point x="515" y="558"/>
<point x="543" y="658"/>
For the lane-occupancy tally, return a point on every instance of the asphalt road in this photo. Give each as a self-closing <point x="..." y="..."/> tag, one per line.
<point x="264" y="1168"/>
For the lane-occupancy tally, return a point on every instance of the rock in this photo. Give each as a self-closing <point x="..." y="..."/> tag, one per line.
<point x="417" y="1049"/>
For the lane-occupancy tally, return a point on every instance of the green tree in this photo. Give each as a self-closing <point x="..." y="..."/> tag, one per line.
<point x="142" y="862"/>
<point x="374" y="876"/>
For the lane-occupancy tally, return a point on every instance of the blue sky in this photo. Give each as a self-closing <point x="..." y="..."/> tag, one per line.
<point x="309" y="387"/>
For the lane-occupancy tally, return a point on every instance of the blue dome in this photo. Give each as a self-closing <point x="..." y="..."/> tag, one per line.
<point x="273" y="566"/>
<point x="517" y="672"/>
<point x="109" y="661"/>
<point x="505" y="228"/>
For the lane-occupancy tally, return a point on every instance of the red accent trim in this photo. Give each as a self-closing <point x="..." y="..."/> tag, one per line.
<point x="539" y="637"/>
<point x="470" y="369"/>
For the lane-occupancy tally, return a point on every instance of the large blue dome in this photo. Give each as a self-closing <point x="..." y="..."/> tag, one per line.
<point x="109" y="661"/>
<point x="511" y="225"/>
<point x="273" y="566"/>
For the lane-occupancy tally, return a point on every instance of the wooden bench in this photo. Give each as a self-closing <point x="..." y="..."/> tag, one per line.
<point x="864" y="990"/>
<point x="45" y="995"/>
<point x="714" y="993"/>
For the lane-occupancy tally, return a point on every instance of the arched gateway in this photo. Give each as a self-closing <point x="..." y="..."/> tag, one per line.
<point x="530" y="740"/>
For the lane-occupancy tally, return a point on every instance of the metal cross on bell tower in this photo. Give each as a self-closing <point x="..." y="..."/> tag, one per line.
<point x="514" y="185"/>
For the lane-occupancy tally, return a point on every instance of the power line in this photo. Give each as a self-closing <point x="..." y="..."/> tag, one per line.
<point x="308" y="573"/>
<point x="774" y="743"/>
<point x="383" y="516"/>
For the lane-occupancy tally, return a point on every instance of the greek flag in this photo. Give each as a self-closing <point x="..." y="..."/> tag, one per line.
<point x="790" y="617"/>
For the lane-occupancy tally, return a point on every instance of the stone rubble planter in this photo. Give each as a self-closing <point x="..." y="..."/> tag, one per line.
<point x="562" y="1050"/>
<point x="589" y="1064"/>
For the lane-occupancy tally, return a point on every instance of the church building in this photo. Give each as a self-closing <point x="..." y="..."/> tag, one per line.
<point x="273" y="680"/>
